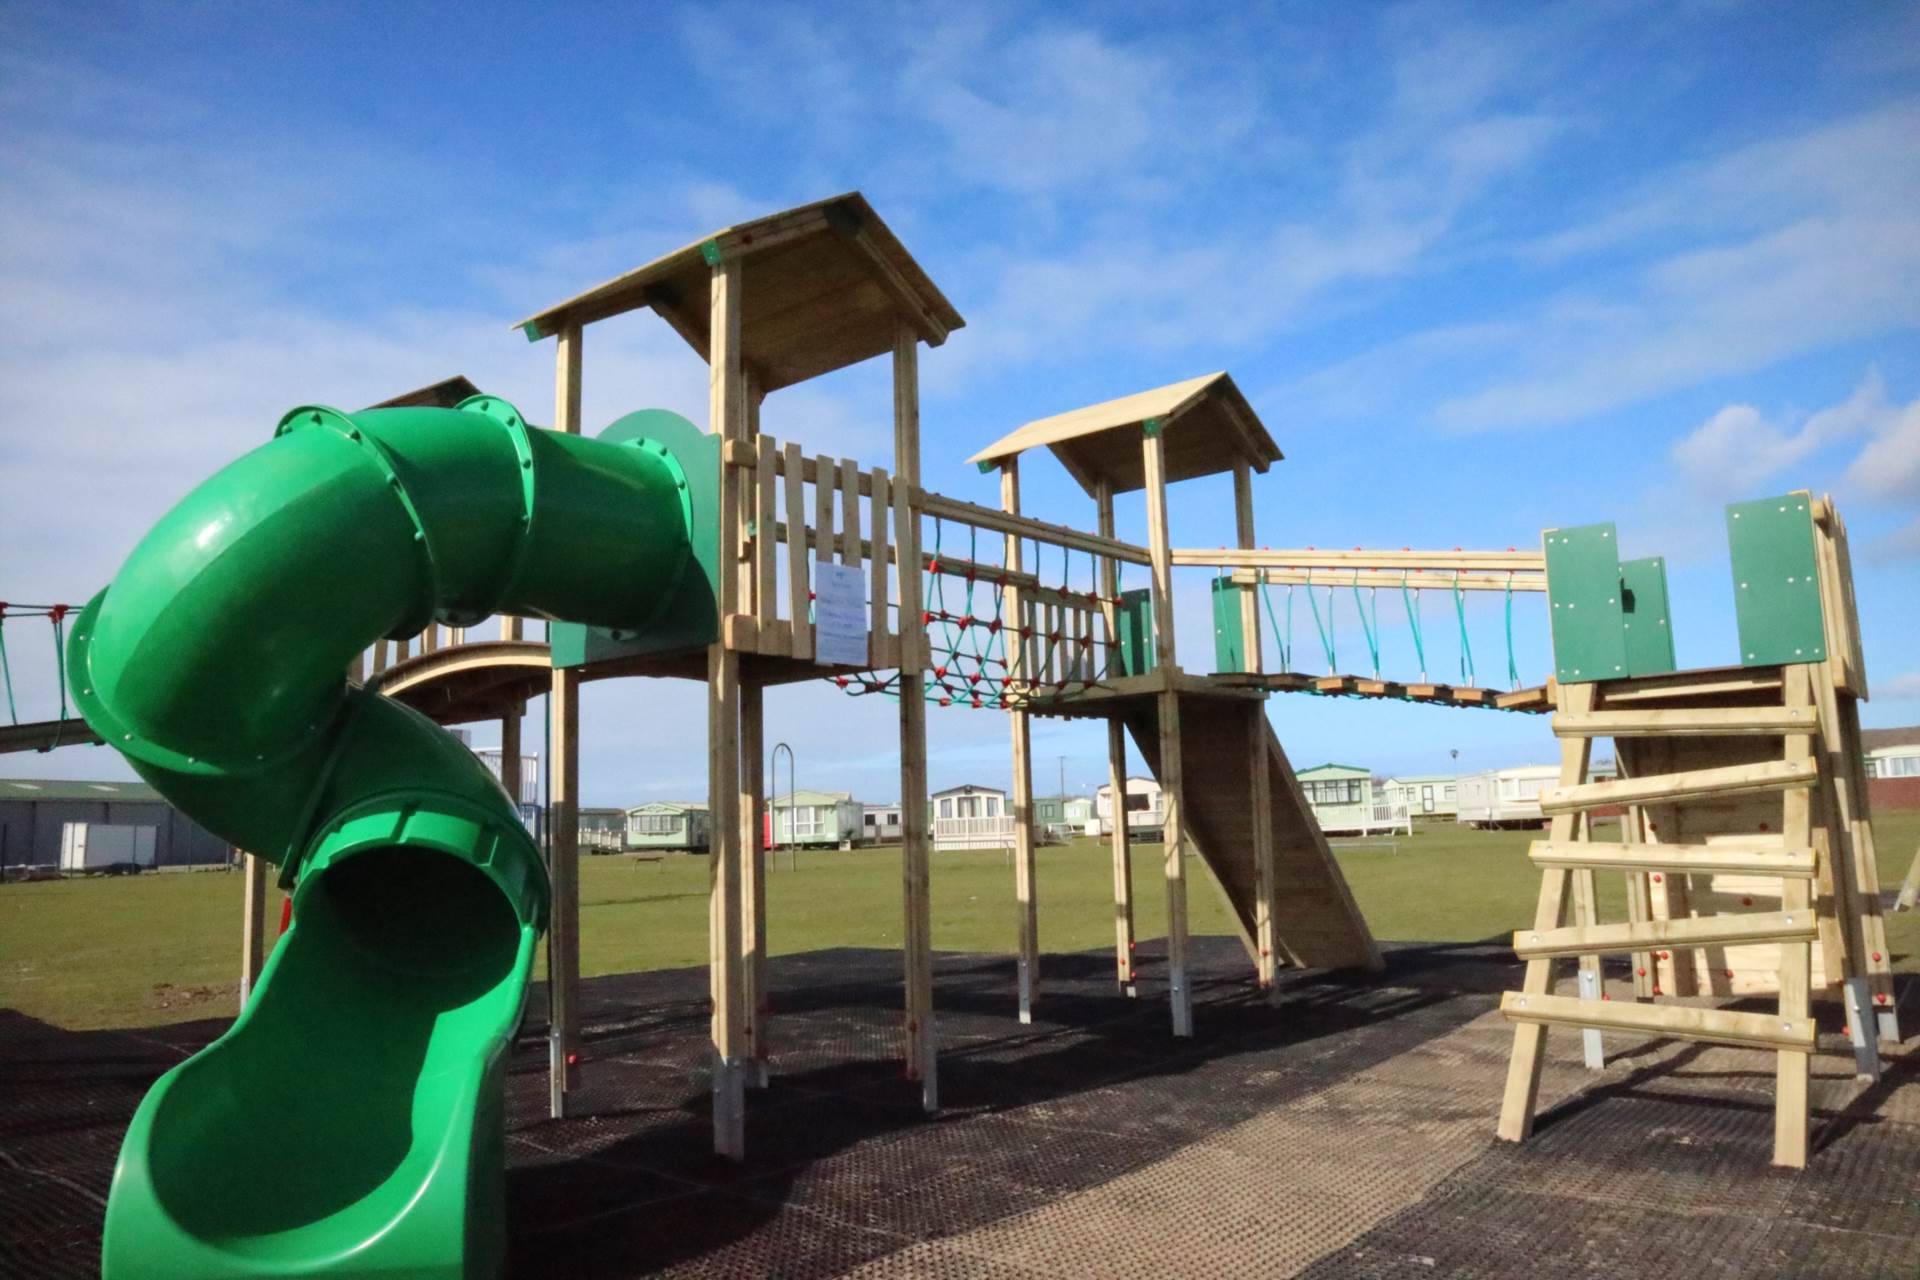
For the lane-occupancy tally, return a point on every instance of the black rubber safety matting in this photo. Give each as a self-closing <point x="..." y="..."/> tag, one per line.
<point x="1342" y="1130"/>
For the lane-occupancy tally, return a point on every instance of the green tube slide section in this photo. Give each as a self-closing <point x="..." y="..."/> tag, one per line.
<point x="351" y="1122"/>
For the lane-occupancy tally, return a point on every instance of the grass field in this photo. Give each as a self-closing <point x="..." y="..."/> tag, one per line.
<point x="147" y="950"/>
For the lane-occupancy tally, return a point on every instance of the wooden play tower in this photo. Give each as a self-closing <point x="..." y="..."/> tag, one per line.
<point x="1740" y="787"/>
<point x="1744" y="833"/>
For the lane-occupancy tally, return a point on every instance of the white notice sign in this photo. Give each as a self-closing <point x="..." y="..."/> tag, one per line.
<point x="839" y="615"/>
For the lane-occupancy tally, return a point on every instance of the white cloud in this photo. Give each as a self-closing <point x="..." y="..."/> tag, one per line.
<point x="1738" y="450"/>
<point x="1901" y="688"/>
<point x="1889" y="467"/>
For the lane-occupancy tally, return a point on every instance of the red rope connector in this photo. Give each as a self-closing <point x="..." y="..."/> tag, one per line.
<point x="57" y="612"/>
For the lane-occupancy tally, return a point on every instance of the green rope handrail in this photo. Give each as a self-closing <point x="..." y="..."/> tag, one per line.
<point x="1466" y="642"/>
<point x="1327" y="632"/>
<point x="1285" y="642"/>
<point x="1412" y="601"/>
<point x="6" y="668"/>
<point x="1370" y="631"/>
<point x="1513" y="667"/>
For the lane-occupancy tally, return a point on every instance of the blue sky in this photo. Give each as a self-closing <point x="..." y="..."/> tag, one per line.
<point x="1481" y="269"/>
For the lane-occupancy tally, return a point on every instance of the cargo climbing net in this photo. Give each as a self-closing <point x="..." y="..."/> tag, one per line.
<point x="978" y="656"/>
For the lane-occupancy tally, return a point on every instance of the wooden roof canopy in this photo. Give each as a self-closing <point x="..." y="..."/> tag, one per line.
<point x="826" y="285"/>
<point x="1207" y="424"/>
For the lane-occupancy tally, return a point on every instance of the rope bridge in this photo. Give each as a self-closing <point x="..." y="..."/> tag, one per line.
<point x="39" y="735"/>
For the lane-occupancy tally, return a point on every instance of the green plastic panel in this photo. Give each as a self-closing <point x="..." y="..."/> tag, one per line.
<point x="1134" y="620"/>
<point x="1776" y="583"/>
<point x="691" y="619"/>
<point x="1583" y="595"/>
<point x="1644" y="610"/>
<point x="1229" y="637"/>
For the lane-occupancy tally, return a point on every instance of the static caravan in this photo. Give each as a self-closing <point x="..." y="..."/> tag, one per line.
<point x="972" y="817"/>
<point x="880" y="823"/>
<point x="668" y="824"/>
<point x="1425" y="795"/>
<point x="1343" y="801"/>
<point x="601" y="830"/>
<point x="1505" y="797"/>
<point x="1077" y="814"/>
<point x="815" y="819"/>
<point x="1146" y="815"/>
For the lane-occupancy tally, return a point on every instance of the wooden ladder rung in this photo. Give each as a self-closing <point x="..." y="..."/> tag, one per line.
<point x="1686" y="721"/>
<point x="1739" y="779"/>
<point x="1710" y="859"/>
<point x="1717" y="1026"/>
<point x="1645" y="935"/>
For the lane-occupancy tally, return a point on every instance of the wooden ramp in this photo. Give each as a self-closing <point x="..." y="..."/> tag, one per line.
<point x="1315" y="921"/>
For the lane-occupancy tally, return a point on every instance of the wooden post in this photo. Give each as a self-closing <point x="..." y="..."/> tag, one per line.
<point x="253" y="922"/>
<point x="1249" y="604"/>
<point x="1020" y="682"/>
<point x="922" y="1046"/>
<point x="753" y="890"/>
<point x="1529" y="1038"/>
<point x="753" y="833"/>
<point x="510" y="779"/>
<point x="1266" y="939"/>
<point x="1790" y="1103"/>
<point x="727" y="410"/>
<point x="1159" y="548"/>
<point x="1121" y="837"/>
<point x="563" y="806"/>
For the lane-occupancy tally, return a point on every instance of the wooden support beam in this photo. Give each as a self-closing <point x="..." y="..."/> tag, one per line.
<point x="921" y="1042"/>
<point x="1393" y="579"/>
<point x="510" y="752"/>
<point x="254" y="873"/>
<point x="1791" y="1105"/>
<point x="1695" y="859"/>
<point x="726" y="949"/>
<point x="1714" y="722"/>
<point x="799" y="583"/>
<point x="1516" y="562"/>
<point x="755" y="1006"/>
<point x="1682" y="1022"/>
<point x="1120" y="838"/>
<point x="1059" y="535"/>
<point x="1249" y="602"/>
<point x="1180" y="995"/>
<point x="1529" y="1038"/>
<point x="1731" y="780"/>
<point x="563" y="803"/>
<point x="1266" y="940"/>
<point x="1019" y="668"/>
<point x="1695" y="931"/>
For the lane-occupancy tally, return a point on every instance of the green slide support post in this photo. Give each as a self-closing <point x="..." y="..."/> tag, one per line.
<point x="351" y="1122"/>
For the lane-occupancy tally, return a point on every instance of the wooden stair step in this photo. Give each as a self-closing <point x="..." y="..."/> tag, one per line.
<point x="1653" y="722"/>
<point x="1684" y="1022"/>
<point x="1662" y="788"/>
<point x="1692" y="931"/>
<point x="1709" y="859"/>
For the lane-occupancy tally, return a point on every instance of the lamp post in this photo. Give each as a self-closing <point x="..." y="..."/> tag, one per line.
<point x="773" y="771"/>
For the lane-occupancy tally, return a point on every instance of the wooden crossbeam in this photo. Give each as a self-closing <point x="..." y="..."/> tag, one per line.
<point x="1696" y="859"/>
<point x="1690" y="931"/>
<point x="1687" y="722"/>
<point x="1684" y="1022"/>
<point x="1663" y="788"/>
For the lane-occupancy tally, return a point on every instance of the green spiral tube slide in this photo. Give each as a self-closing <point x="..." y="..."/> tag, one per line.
<point x="350" y="1123"/>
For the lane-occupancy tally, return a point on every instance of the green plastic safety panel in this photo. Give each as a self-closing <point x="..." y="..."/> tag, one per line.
<point x="1776" y="581"/>
<point x="1133" y="618"/>
<point x="1583" y="601"/>
<point x="1229" y="636"/>
<point x="1644" y="615"/>
<point x="689" y="618"/>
